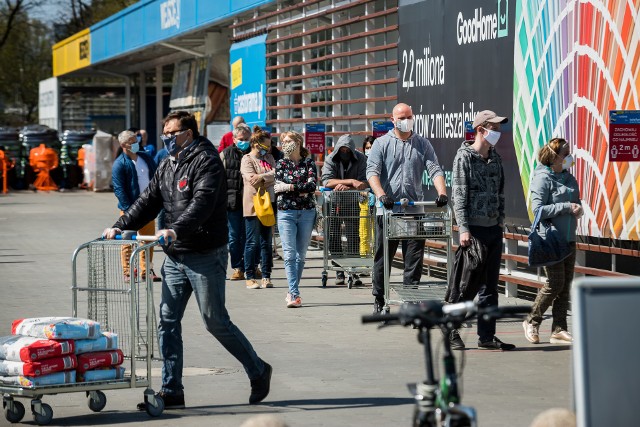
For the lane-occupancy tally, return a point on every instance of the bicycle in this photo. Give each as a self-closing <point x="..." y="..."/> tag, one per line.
<point x="437" y="403"/>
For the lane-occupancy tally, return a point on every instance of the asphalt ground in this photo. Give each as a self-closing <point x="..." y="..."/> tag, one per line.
<point x="329" y="368"/>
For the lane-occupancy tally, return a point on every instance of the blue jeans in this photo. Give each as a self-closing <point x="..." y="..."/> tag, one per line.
<point x="237" y="240"/>
<point x="295" y="227"/>
<point x="258" y="243"/>
<point x="202" y="274"/>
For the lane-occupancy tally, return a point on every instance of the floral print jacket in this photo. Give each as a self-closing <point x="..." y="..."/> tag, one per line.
<point x="303" y="176"/>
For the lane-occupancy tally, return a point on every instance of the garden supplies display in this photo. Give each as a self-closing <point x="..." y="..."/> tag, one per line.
<point x="104" y="374"/>
<point x="20" y="348"/>
<point x="57" y="328"/>
<point x="99" y="359"/>
<point x="38" y="368"/>
<point x="66" y="377"/>
<point x="108" y="341"/>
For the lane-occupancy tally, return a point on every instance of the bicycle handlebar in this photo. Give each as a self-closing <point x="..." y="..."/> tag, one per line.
<point x="432" y="313"/>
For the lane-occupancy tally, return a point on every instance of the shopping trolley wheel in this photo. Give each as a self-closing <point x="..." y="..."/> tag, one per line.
<point x="13" y="410"/>
<point x="96" y="400"/>
<point x="324" y="279"/>
<point x="154" y="411"/>
<point x="43" y="415"/>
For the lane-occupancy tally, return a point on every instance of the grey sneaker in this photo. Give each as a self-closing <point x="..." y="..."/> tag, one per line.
<point x="531" y="332"/>
<point x="561" y="337"/>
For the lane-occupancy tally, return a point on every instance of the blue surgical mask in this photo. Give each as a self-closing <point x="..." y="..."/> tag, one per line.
<point x="138" y="139"/>
<point x="242" y="145"/>
<point x="262" y="152"/>
<point x="135" y="147"/>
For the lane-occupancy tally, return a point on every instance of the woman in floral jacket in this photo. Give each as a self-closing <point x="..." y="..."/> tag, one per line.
<point x="296" y="177"/>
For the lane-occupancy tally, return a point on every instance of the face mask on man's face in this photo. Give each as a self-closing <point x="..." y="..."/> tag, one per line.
<point x="242" y="145"/>
<point x="492" y="137"/>
<point x="405" y="125"/>
<point x="135" y="147"/>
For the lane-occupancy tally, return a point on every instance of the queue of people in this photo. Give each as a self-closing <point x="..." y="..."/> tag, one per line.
<point x="207" y="202"/>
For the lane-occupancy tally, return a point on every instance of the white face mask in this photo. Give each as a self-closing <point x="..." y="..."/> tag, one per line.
<point x="367" y="151"/>
<point x="567" y="162"/>
<point x="492" y="137"/>
<point x="405" y="125"/>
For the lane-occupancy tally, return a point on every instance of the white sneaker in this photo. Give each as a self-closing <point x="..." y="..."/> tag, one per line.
<point x="531" y="332"/>
<point x="561" y="337"/>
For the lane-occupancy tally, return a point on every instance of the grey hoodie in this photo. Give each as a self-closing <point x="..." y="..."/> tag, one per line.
<point x="400" y="165"/>
<point x="553" y="193"/>
<point x="478" y="188"/>
<point x="334" y="169"/>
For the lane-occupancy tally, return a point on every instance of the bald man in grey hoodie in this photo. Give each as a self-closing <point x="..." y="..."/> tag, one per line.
<point x="395" y="167"/>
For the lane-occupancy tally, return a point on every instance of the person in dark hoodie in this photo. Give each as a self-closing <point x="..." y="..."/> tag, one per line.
<point x="192" y="188"/>
<point x="555" y="191"/>
<point x="344" y="169"/>
<point x="478" y="205"/>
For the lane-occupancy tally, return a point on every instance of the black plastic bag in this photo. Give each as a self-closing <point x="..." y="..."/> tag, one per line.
<point x="468" y="272"/>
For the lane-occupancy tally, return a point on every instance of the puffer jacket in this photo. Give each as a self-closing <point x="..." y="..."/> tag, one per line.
<point x="194" y="197"/>
<point x="478" y="188"/>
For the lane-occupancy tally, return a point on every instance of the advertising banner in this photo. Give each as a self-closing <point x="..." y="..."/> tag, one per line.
<point x="456" y="59"/>
<point x="48" y="103"/>
<point x="314" y="137"/>
<point x="248" y="64"/>
<point x="190" y="83"/>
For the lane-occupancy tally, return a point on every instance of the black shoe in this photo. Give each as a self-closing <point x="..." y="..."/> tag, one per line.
<point x="155" y="277"/>
<point x="171" y="401"/>
<point x="495" y="344"/>
<point x="378" y="306"/>
<point x="260" y="386"/>
<point x="456" y="341"/>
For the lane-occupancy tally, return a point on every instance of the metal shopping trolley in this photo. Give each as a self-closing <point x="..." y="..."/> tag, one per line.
<point x="123" y="305"/>
<point x="434" y="223"/>
<point x="349" y="239"/>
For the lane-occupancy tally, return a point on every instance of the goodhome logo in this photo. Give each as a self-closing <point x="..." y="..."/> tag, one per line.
<point x="482" y="26"/>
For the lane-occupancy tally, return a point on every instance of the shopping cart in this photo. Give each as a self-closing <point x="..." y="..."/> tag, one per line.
<point x="349" y="240"/>
<point x="123" y="305"/>
<point x="433" y="224"/>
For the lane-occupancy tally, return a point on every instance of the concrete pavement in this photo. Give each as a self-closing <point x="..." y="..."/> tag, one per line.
<point x="329" y="369"/>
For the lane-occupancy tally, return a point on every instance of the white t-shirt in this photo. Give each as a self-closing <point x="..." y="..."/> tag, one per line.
<point x="142" y="169"/>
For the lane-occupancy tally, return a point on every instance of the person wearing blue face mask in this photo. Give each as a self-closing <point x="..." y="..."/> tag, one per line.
<point x="231" y="157"/>
<point x="478" y="205"/>
<point x="192" y="188"/>
<point x="258" y="169"/>
<point x="130" y="175"/>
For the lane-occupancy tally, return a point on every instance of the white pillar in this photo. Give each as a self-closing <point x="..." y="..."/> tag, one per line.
<point x="159" y="115"/>
<point x="511" y="247"/>
<point x="127" y="98"/>
<point x="143" y="101"/>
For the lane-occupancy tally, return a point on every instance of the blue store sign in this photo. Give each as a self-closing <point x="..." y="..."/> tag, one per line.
<point x="248" y="63"/>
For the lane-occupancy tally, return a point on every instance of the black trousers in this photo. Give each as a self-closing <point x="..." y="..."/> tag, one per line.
<point x="413" y="260"/>
<point x="491" y="237"/>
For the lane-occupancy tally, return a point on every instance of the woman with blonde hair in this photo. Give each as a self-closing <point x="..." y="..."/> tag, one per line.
<point x="296" y="177"/>
<point x="554" y="190"/>
<point x="257" y="169"/>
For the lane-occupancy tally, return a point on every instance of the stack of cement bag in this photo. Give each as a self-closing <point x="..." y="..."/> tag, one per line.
<point x="58" y="350"/>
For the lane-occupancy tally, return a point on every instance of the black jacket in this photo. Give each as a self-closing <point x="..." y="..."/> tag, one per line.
<point x="194" y="198"/>
<point x="235" y="188"/>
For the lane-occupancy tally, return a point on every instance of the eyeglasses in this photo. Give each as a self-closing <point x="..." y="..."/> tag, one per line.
<point x="174" y="133"/>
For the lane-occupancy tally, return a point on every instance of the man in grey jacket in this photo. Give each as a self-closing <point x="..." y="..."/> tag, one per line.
<point x="344" y="169"/>
<point x="395" y="167"/>
<point x="478" y="201"/>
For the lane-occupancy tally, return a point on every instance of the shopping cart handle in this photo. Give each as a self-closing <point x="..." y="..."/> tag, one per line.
<point x="133" y="236"/>
<point x="326" y="189"/>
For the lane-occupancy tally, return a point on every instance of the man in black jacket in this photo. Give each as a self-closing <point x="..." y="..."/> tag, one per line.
<point x="191" y="187"/>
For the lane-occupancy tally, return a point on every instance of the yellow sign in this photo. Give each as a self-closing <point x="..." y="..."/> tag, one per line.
<point x="236" y="74"/>
<point x="72" y="53"/>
